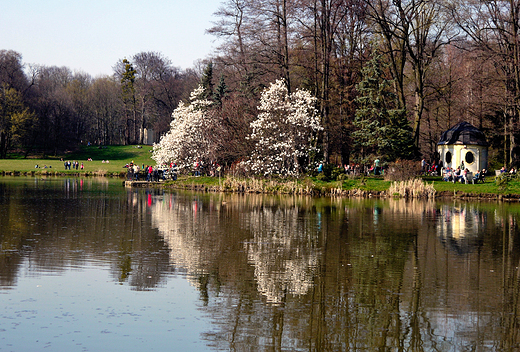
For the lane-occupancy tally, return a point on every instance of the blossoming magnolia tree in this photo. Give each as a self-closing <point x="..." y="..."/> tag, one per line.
<point x="189" y="137"/>
<point x="283" y="131"/>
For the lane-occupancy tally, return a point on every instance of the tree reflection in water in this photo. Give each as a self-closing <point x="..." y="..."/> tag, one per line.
<point x="287" y="273"/>
<point x="346" y="274"/>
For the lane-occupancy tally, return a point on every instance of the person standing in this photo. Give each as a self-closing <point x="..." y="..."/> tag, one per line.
<point x="149" y="170"/>
<point x="136" y="172"/>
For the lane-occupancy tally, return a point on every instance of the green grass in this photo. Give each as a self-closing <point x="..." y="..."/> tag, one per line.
<point x="488" y="187"/>
<point x="118" y="156"/>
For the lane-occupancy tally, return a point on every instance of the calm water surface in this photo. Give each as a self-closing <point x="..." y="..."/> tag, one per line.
<point x="87" y="265"/>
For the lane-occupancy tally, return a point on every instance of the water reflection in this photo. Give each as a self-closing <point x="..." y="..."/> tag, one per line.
<point x="461" y="227"/>
<point x="345" y="274"/>
<point x="286" y="273"/>
<point x="280" y="240"/>
<point x="60" y="223"/>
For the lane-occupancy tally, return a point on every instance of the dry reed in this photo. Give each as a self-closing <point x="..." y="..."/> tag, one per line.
<point x="411" y="189"/>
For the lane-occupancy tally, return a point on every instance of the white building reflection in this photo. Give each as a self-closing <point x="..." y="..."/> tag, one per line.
<point x="460" y="226"/>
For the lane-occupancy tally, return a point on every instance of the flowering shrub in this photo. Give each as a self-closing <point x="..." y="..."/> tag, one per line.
<point x="189" y="138"/>
<point x="283" y="131"/>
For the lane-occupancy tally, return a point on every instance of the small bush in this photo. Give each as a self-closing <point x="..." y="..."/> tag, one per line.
<point x="502" y="181"/>
<point x="402" y="170"/>
<point x="330" y="173"/>
<point x="322" y="177"/>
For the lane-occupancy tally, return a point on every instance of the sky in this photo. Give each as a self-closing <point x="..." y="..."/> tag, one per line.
<point x="91" y="36"/>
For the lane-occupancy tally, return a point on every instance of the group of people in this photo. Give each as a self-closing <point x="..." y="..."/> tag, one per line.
<point x="151" y="173"/>
<point x="512" y="171"/>
<point x="463" y="175"/>
<point x="357" y="169"/>
<point x="199" y="169"/>
<point x="133" y="171"/>
<point x="432" y="168"/>
<point x="75" y="165"/>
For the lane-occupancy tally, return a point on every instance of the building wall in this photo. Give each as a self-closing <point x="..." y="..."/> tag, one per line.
<point x="475" y="157"/>
<point x="148" y="136"/>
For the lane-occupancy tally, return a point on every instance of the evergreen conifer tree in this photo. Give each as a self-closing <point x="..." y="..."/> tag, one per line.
<point x="206" y="81"/>
<point x="220" y="91"/>
<point x="381" y="128"/>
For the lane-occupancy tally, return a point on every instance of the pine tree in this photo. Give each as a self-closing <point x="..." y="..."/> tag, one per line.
<point x="220" y="92"/>
<point x="206" y="81"/>
<point x="381" y="128"/>
<point x="129" y="99"/>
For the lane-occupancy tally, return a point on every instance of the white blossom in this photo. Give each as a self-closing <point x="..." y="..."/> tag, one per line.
<point x="283" y="131"/>
<point x="188" y="139"/>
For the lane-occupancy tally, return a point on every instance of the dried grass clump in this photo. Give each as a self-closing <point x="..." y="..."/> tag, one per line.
<point x="411" y="189"/>
<point x="254" y="185"/>
<point x="101" y="172"/>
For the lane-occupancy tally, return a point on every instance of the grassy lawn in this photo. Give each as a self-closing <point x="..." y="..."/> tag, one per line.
<point x="379" y="184"/>
<point x="489" y="186"/>
<point x="118" y="156"/>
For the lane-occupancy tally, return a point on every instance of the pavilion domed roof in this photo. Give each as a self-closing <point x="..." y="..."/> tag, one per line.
<point x="464" y="133"/>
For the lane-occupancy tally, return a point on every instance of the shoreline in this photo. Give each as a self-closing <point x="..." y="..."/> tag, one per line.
<point x="48" y="173"/>
<point x="351" y="193"/>
<point x="265" y="186"/>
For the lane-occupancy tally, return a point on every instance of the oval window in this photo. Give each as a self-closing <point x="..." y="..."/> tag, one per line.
<point x="470" y="158"/>
<point x="448" y="157"/>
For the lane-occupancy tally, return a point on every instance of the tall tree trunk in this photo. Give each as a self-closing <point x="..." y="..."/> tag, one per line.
<point x="285" y="45"/>
<point x="418" y="107"/>
<point x="326" y="37"/>
<point x="515" y="83"/>
<point x="3" y="143"/>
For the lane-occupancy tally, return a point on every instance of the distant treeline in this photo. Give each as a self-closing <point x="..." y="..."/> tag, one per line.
<point x="52" y="109"/>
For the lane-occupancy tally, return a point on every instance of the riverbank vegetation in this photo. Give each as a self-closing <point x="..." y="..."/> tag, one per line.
<point x="352" y="187"/>
<point x="424" y="187"/>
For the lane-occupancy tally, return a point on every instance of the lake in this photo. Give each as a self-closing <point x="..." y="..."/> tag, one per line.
<point x="89" y="265"/>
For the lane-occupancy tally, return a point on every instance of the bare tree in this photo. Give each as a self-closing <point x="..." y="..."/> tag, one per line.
<point x="336" y="28"/>
<point x="493" y="27"/>
<point x="412" y="31"/>
<point x="107" y="110"/>
<point x="306" y="42"/>
<point x="256" y="41"/>
<point x="12" y="71"/>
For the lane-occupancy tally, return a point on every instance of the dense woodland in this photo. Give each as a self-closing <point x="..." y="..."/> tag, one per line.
<point x="384" y="72"/>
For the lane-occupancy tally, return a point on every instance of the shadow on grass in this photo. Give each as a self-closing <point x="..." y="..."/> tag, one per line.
<point x="112" y="153"/>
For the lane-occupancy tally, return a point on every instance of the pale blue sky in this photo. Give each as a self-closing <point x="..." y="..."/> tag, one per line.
<point x="92" y="35"/>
